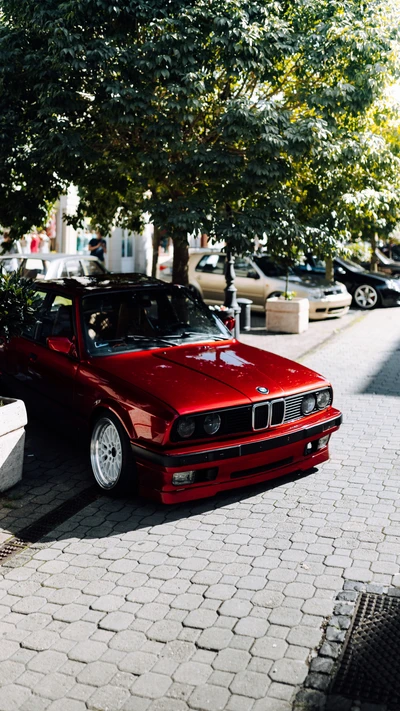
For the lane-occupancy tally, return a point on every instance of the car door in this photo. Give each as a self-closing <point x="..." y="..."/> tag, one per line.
<point x="49" y="376"/>
<point x="14" y="355"/>
<point x="209" y="274"/>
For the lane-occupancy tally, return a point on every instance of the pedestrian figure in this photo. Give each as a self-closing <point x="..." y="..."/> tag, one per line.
<point x="98" y="247"/>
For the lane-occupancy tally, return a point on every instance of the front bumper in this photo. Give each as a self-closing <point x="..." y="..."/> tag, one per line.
<point x="250" y="461"/>
<point x="390" y="297"/>
<point x="331" y="306"/>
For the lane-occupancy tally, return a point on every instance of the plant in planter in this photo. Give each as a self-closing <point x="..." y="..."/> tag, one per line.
<point x="286" y="313"/>
<point x="18" y="305"/>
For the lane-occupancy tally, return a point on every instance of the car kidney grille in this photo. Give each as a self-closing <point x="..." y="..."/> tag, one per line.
<point x="278" y="412"/>
<point x="261" y="416"/>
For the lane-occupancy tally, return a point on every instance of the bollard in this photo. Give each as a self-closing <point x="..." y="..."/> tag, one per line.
<point x="245" y="314"/>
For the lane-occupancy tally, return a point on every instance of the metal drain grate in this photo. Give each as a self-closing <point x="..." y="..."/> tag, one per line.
<point x="370" y="665"/>
<point x="46" y="523"/>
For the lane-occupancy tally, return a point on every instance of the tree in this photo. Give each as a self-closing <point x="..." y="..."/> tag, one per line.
<point x="197" y="113"/>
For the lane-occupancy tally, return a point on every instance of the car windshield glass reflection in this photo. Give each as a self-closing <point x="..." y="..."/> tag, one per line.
<point x="147" y="318"/>
<point x="271" y="268"/>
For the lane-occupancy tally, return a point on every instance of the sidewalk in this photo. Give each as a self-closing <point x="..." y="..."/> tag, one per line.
<point x="219" y="605"/>
<point x="295" y="345"/>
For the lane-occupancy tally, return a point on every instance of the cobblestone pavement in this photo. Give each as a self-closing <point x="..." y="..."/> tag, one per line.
<point x="218" y="606"/>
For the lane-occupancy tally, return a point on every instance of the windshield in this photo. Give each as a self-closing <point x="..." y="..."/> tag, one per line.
<point x="271" y="268"/>
<point x="353" y="265"/>
<point x="142" y="319"/>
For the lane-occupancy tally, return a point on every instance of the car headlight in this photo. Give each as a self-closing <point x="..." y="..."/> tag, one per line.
<point x="186" y="427"/>
<point x="323" y="398"/>
<point x="212" y="423"/>
<point x="393" y="284"/>
<point x="308" y="404"/>
<point x="316" y="294"/>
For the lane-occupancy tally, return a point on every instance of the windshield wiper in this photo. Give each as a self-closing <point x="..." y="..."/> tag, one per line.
<point x="206" y="336"/>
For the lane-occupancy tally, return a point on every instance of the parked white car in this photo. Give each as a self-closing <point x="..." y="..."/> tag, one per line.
<point x="258" y="278"/>
<point x="52" y="266"/>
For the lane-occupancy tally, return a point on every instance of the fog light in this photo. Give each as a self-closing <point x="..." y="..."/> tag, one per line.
<point x="322" y="442"/>
<point x="181" y="478"/>
<point x="308" y="448"/>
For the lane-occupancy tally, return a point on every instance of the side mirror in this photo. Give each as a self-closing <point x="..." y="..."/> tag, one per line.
<point x="230" y="323"/>
<point x="252" y="274"/>
<point x="61" y="344"/>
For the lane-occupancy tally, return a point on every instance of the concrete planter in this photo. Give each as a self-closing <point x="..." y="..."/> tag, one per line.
<point x="12" y="439"/>
<point x="286" y="316"/>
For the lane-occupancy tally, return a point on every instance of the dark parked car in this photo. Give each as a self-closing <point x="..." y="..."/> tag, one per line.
<point x="171" y="400"/>
<point x="384" y="264"/>
<point x="367" y="289"/>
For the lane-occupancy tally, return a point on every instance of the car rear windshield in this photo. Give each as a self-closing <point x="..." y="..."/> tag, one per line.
<point x="142" y="319"/>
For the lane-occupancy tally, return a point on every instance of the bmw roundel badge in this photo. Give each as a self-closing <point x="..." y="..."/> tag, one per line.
<point x="262" y="390"/>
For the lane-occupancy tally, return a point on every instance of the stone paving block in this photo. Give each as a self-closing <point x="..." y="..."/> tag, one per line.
<point x="209" y="698"/>
<point x="200" y="618"/>
<point x="54" y="686"/>
<point x="288" y="671"/>
<point x="137" y="662"/>
<point x="108" y="697"/>
<point x="12" y="697"/>
<point x="251" y="684"/>
<point x="152" y="686"/>
<point x="231" y="660"/>
<point x="164" y="630"/>
<point x="214" y="638"/>
<point x="193" y="673"/>
<point x="252" y="627"/>
<point x="235" y="608"/>
<point x="269" y="648"/>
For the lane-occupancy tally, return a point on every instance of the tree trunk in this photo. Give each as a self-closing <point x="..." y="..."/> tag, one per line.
<point x="329" y="272"/>
<point x="374" y="258"/>
<point x="181" y="259"/>
<point x="156" y="245"/>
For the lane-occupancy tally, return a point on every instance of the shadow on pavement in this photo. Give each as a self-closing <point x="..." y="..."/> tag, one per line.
<point x="386" y="381"/>
<point x="56" y="470"/>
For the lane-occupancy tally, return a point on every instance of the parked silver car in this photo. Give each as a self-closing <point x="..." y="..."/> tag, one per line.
<point x="52" y="266"/>
<point x="258" y="278"/>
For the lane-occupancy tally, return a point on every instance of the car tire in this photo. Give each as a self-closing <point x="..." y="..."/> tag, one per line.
<point x="366" y="297"/>
<point x="111" y="457"/>
<point x="274" y="294"/>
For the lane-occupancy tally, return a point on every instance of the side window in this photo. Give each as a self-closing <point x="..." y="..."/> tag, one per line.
<point x="56" y="319"/>
<point x="92" y="267"/>
<point x="29" y="331"/>
<point x="33" y="268"/>
<point x="211" y="263"/>
<point x="72" y="268"/>
<point x="242" y="267"/>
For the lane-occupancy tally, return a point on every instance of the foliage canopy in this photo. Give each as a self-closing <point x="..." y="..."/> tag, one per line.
<point x="210" y="115"/>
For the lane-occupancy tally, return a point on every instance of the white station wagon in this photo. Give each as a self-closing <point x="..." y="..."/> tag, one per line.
<point x="52" y="266"/>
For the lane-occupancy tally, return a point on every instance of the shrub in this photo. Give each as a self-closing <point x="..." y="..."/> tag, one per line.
<point x="18" y="303"/>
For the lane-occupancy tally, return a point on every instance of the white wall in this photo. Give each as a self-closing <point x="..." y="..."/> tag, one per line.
<point x="65" y="234"/>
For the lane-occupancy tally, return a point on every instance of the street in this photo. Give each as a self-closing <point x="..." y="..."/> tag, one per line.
<point x="215" y="606"/>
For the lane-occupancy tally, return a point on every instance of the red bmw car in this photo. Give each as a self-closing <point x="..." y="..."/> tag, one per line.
<point x="176" y="407"/>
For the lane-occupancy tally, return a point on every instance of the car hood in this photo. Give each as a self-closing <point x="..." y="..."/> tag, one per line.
<point x="311" y="281"/>
<point x="202" y="377"/>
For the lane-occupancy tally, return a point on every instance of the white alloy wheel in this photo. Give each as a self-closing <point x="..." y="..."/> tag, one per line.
<point x="366" y="296"/>
<point x="106" y="454"/>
